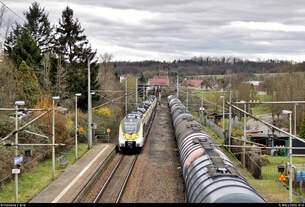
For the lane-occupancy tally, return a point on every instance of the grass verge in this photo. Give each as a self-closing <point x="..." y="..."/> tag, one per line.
<point x="268" y="187"/>
<point x="32" y="182"/>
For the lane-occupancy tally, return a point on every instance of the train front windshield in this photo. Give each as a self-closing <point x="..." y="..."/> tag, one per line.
<point x="130" y="126"/>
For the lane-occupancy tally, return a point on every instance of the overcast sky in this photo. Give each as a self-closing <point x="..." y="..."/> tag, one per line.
<point x="178" y="29"/>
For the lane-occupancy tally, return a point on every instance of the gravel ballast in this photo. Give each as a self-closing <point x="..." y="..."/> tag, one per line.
<point x="155" y="177"/>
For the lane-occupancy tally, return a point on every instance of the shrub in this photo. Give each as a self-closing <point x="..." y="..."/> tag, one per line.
<point x="62" y="123"/>
<point x="27" y="84"/>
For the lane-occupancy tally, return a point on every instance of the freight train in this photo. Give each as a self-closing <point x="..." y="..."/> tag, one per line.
<point x="134" y="127"/>
<point x="209" y="176"/>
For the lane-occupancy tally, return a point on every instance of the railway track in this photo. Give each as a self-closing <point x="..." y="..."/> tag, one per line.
<point x="115" y="184"/>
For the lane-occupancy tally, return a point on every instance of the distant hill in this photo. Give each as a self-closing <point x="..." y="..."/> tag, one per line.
<point x="209" y="66"/>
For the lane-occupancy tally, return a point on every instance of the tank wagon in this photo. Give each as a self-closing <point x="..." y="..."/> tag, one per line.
<point x="134" y="126"/>
<point x="209" y="176"/>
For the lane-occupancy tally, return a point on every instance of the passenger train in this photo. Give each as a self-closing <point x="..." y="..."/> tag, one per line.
<point x="135" y="125"/>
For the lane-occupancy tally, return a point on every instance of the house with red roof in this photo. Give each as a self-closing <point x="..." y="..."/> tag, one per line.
<point x="159" y="80"/>
<point x="192" y="83"/>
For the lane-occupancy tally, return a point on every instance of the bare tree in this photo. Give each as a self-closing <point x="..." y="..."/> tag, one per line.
<point x="61" y="80"/>
<point x="7" y="82"/>
<point x="46" y="72"/>
<point x="2" y="11"/>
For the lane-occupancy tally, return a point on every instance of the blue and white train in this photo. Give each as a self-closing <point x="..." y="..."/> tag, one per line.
<point x="135" y="125"/>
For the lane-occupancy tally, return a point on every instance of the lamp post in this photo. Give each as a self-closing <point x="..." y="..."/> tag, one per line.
<point x="201" y="109"/>
<point x="92" y="93"/>
<point x="76" y="128"/>
<point x="230" y="121"/>
<point x="126" y="96"/>
<point x="17" y="103"/>
<point x="244" y="137"/>
<point x="187" y="97"/>
<point x="177" y="94"/>
<point x="290" y="154"/>
<point x="201" y="96"/>
<point x="53" y="135"/>
<point x="136" y="91"/>
<point x="89" y="108"/>
<point x="223" y="113"/>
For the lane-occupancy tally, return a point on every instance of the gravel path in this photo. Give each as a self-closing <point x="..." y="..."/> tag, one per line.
<point x="155" y="177"/>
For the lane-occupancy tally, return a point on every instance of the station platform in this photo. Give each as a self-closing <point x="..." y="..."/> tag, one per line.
<point x="68" y="186"/>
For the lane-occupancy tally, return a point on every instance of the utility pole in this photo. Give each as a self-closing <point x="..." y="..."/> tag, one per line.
<point x="16" y="154"/>
<point x="136" y="91"/>
<point x="187" y="97"/>
<point x="245" y="138"/>
<point x="53" y="135"/>
<point x="126" y="96"/>
<point x="159" y="95"/>
<point x="230" y="120"/>
<point x="177" y="86"/>
<point x="89" y="108"/>
<point x="16" y="149"/>
<point x="76" y="128"/>
<point x="223" y="113"/>
<point x="290" y="158"/>
<point x="201" y="97"/>
<point x="295" y="119"/>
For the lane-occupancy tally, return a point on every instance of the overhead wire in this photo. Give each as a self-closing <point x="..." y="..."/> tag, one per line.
<point x="12" y="10"/>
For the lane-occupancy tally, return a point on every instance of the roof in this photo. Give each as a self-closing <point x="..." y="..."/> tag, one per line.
<point x="193" y="83"/>
<point x="158" y="80"/>
<point x="253" y="131"/>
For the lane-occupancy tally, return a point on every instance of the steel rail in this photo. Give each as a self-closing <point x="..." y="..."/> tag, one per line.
<point x="126" y="179"/>
<point x="85" y="188"/>
<point x="108" y="180"/>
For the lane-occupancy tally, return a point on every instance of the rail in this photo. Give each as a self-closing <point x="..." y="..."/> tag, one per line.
<point x="87" y="186"/>
<point x="110" y="177"/>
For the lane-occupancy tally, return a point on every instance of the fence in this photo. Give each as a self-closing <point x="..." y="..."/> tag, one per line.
<point x="260" y="164"/>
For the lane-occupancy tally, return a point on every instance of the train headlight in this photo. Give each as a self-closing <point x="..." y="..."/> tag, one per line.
<point x="127" y="136"/>
<point x="134" y="136"/>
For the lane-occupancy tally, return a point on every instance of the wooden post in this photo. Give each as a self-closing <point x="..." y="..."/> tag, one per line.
<point x="301" y="183"/>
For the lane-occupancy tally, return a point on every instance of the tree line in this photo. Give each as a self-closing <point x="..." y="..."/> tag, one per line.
<point x="49" y="58"/>
<point x="209" y="66"/>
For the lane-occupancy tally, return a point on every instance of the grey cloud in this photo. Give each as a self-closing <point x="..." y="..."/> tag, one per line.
<point x="181" y="27"/>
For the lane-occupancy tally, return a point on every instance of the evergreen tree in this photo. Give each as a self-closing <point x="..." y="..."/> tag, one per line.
<point x="11" y="39"/>
<point x="27" y="84"/>
<point x="37" y="25"/>
<point x="25" y="49"/>
<point x="74" y="47"/>
<point x="142" y="78"/>
<point x="302" y="128"/>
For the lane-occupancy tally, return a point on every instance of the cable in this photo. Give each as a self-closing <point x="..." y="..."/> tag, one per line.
<point x="113" y="100"/>
<point x="12" y="11"/>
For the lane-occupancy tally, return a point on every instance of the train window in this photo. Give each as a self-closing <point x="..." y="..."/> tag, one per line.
<point x="130" y="126"/>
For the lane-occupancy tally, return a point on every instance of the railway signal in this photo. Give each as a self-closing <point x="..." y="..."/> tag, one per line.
<point x="108" y="132"/>
<point x="282" y="178"/>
